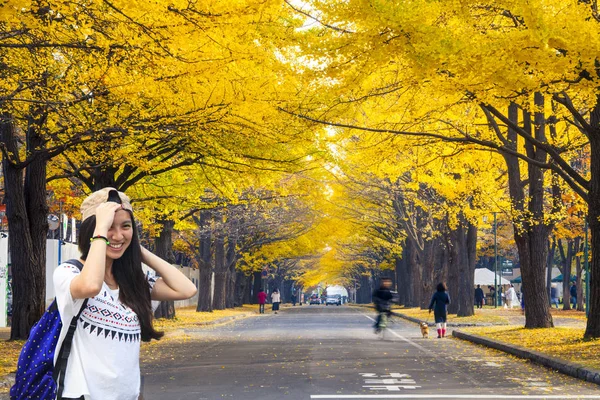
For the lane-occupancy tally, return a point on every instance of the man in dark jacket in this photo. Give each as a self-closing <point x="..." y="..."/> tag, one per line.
<point x="574" y="295"/>
<point x="382" y="298"/>
<point x="479" y="296"/>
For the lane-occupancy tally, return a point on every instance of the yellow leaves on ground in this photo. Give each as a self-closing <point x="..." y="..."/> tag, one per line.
<point x="188" y="317"/>
<point x="562" y="342"/>
<point x="9" y="355"/>
<point x="481" y="316"/>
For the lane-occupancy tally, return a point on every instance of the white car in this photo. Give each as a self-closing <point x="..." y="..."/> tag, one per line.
<point x="333" y="300"/>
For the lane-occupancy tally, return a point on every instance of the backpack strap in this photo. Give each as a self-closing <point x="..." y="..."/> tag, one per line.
<point x="60" y="368"/>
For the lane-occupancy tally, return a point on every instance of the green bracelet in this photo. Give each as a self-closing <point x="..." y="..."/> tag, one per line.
<point x="100" y="238"/>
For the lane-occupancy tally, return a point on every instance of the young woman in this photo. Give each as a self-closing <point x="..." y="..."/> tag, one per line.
<point x="439" y="305"/>
<point x="104" y="359"/>
<point x="275" y="299"/>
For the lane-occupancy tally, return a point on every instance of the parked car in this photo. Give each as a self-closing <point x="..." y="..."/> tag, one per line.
<point x="314" y="299"/>
<point x="333" y="300"/>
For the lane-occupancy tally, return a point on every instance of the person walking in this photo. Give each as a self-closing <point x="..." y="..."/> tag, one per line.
<point x="573" y="292"/>
<point x="479" y="296"/>
<point x="262" y="299"/>
<point x="511" y="297"/>
<point x="554" y="295"/>
<point x="275" y="299"/>
<point x="104" y="358"/>
<point x="439" y="305"/>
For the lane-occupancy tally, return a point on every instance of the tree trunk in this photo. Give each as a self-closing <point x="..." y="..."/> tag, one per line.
<point x="221" y="273"/>
<point x="402" y="282"/>
<point x="257" y="285"/>
<point x="467" y="272"/>
<point x="593" y="323"/>
<point x="242" y="289"/>
<point x="26" y="212"/>
<point x="163" y="247"/>
<point x="204" y="258"/>
<point x="530" y="232"/>
<point x="230" y="259"/>
<point x="364" y="290"/>
<point x="454" y="260"/>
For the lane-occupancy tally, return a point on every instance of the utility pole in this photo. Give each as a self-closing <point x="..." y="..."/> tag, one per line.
<point x="496" y="262"/>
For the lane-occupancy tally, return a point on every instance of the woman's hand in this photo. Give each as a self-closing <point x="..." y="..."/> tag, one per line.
<point x="105" y="215"/>
<point x="172" y="284"/>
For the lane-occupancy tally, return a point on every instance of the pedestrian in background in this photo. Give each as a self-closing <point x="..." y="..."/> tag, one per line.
<point x="439" y="305"/>
<point x="293" y="299"/>
<point x="574" y="295"/>
<point x="262" y="299"/>
<point x="554" y="295"/>
<point x="479" y="296"/>
<point x="275" y="299"/>
<point x="511" y="297"/>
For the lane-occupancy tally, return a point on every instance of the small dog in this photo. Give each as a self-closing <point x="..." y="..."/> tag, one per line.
<point x="424" y="329"/>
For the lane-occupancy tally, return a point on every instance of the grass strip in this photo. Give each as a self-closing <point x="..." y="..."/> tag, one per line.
<point x="563" y="342"/>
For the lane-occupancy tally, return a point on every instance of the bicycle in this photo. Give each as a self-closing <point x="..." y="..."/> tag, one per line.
<point x="386" y="320"/>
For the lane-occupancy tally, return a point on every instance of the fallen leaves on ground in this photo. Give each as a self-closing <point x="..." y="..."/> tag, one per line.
<point x="562" y="342"/>
<point x="188" y="317"/>
<point x="9" y="355"/>
<point x="481" y="316"/>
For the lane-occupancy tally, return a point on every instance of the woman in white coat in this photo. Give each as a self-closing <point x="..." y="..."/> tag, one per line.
<point x="511" y="297"/>
<point x="275" y="299"/>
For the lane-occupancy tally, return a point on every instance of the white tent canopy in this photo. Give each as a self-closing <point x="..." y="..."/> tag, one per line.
<point x="484" y="276"/>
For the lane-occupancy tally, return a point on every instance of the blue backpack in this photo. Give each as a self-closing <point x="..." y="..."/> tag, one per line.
<point x="37" y="377"/>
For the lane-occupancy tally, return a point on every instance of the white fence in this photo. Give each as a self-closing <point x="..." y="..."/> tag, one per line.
<point x="54" y="256"/>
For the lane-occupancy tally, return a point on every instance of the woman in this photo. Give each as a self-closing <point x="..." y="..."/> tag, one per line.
<point x="439" y="305"/>
<point x="275" y="299"/>
<point x="104" y="359"/>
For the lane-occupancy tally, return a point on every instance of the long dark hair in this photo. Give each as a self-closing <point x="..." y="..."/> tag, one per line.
<point x="441" y="287"/>
<point x="134" y="289"/>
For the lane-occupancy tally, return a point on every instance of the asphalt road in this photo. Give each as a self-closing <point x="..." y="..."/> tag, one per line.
<point x="319" y="352"/>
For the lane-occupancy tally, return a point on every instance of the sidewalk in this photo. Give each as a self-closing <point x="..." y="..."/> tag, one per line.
<point x="564" y="366"/>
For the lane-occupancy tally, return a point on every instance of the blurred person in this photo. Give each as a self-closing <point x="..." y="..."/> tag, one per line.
<point x="511" y="297"/>
<point x="573" y="292"/>
<point x="275" y="299"/>
<point x="554" y="295"/>
<point x="479" y="296"/>
<point x="262" y="299"/>
<point x="382" y="299"/>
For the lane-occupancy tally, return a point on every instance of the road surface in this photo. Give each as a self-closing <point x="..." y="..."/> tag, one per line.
<point x="327" y="352"/>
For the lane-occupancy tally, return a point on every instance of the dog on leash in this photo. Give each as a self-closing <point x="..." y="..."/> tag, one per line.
<point x="424" y="329"/>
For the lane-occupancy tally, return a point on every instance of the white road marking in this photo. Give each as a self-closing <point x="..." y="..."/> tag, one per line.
<point x="449" y="396"/>
<point x="403" y="338"/>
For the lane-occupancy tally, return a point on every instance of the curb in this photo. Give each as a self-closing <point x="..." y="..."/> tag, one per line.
<point x="451" y="324"/>
<point x="565" y="367"/>
<point x="221" y="320"/>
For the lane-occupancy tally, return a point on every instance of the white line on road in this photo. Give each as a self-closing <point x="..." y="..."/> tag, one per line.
<point x="449" y="396"/>
<point x="403" y="338"/>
